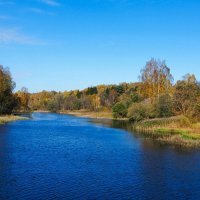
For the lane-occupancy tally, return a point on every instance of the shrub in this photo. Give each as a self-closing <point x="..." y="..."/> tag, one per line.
<point x="141" y="111"/>
<point x="186" y="97"/>
<point x="170" y="122"/>
<point x="164" y="106"/>
<point x="119" y="110"/>
<point x="51" y="106"/>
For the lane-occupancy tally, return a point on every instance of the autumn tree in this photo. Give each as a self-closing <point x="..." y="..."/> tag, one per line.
<point x="186" y="96"/>
<point x="24" y="97"/>
<point x="7" y="99"/>
<point x="85" y="103"/>
<point x="72" y="102"/>
<point x="41" y="100"/>
<point x="94" y="102"/>
<point x="156" y="79"/>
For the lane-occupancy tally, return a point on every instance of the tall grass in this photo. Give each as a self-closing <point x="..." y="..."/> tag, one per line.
<point x="171" y="122"/>
<point x="90" y="114"/>
<point x="174" y="130"/>
<point x="9" y="118"/>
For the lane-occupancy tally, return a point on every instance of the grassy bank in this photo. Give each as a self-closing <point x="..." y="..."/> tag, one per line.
<point x="90" y="114"/>
<point x="10" y="118"/>
<point x="175" y="130"/>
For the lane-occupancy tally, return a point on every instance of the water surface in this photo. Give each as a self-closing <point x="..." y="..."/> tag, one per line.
<point x="53" y="156"/>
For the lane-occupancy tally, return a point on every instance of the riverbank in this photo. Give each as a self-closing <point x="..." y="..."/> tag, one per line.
<point x="89" y="114"/>
<point x="177" y="131"/>
<point x="41" y="111"/>
<point x="10" y="118"/>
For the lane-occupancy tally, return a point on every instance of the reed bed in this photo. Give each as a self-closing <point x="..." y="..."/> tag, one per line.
<point x="10" y="118"/>
<point x="178" y="130"/>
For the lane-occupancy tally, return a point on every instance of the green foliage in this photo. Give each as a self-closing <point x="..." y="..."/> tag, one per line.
<point x="92" y="90"/>
<point x="79" y="94"/>
<point x="72" y="103"/>
<point x="8" y="102"/>
<point x="164" y="106"/>
<point x="119" y="89"/>
<point x="155" y="96"/>
<point x="119" y="110"/>
<point x="51" y="106"/>
<point x="23" y="97"/>
<point x="141" y="111"/>
<point x="187" y="97"/>
<point x="93" y="98"/>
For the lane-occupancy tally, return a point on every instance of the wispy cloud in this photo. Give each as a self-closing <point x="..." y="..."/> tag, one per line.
<point x="4" y="17"/>
<point x="15" y="36"/>
<point x="51" y="2"/>
<point x="39" y="11"/>
<point x="6" y="2"/>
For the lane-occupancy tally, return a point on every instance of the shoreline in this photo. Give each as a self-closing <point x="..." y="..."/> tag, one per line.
<point x="89" y="114"/>
<point x="10" y="118"/>
<point x="92" y="115"/>
<point x="174" y="131"/>
<point x="40" y="111"/>
<point x="177" y="131"/>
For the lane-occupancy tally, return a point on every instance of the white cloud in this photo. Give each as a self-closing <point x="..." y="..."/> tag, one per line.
<point x="14" y="36"/>
<point x="51" y="2"/>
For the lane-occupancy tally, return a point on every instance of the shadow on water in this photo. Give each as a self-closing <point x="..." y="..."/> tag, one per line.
<point x="148" y="140"/>
<point x="27" y="114"/>
<point x="120" y="124"/>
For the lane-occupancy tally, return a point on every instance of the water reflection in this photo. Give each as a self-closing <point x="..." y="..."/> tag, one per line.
<point x="166" y="172"/>
<point x="149" y="141"/>
<point x="57" y="156"/>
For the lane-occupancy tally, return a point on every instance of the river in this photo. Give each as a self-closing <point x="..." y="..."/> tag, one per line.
<point x="55" y="156"/>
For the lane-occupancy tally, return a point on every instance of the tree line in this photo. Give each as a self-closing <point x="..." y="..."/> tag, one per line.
<point x="8" y="100"/>
<point x="11" y="102"/>
<point x="154" y="95"/>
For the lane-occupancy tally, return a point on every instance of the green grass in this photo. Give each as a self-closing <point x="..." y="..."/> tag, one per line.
<point x="191" y="136"/>
<point x="174" y="130"/>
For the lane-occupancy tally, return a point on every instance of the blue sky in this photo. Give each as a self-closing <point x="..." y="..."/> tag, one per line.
<point x="72" y="44"/>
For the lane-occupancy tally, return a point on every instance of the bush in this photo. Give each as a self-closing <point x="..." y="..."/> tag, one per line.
<point x="141" y="111"/>
<point x="170" y="122"/>
<point x="7" y="100"/>
<point x="51" y="106"/>
<point x="197" y="112"/>
<point x="164" y="106"/>
<point x="119" y="110"/>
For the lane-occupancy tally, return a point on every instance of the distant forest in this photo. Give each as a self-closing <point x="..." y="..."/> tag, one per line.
<point x="155" y="95"/>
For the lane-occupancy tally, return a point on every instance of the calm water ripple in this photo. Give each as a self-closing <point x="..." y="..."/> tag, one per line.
<point x="54" y="156"/>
